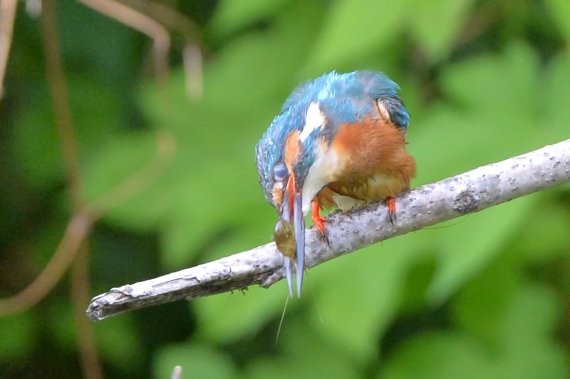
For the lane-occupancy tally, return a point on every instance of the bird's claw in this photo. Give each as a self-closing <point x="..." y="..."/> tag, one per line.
<point x="319" y="221"/>
<point x="391" y="209"/>
<point x="324" y="236"/>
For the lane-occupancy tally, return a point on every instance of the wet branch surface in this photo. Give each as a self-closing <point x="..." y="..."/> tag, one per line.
<point x="430" y="204"/>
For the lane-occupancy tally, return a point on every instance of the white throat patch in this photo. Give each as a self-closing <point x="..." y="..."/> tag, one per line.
<point x="313" y="119"/>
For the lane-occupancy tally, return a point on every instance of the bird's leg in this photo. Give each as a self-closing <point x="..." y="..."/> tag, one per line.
<point x="391" y="201"/>
<point x="317" y="219"/>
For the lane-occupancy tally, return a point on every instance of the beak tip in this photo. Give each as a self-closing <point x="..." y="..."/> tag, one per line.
<point x="294" y="200"/>
<point x="299" y="225"/>
<point x="288" y="275"/>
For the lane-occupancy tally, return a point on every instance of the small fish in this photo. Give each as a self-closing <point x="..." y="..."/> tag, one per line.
<point x="284" y="237"/>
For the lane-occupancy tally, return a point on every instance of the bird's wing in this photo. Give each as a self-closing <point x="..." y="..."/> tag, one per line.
<point x="385" y="91"/>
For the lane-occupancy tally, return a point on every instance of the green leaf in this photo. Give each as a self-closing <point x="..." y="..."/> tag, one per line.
<point x="182" y="238"/>
<point x="500" y="83"/>
<point x="36" y="146"/>
<point x="120" y="159"/>
<point x="205" y="213"/>
<point x="232" y="15"/>
<point x="59" y="319"/>
<point x="229" y="316"/>
<point x="499" y="100"/>
<point x="18" y="337"/>
<point x="352" y="29"/>
<point x="532" y="315"/>
<point x="436" y="24"/>
<point x="119" y="342"/>
<point x="528" y="336"/>
<point x="546" y="232"/>
<point x="555" y="89"/>
<point x="560" y="11"/>
<point x="36" y="143"/>
<point x="473" y="242"/>
<point x="355" y="322"/>
<point x="440" y="356"/>
<point x="519" y="343"/>
<point x="196" y="361"/>
<point x="315" y="365"/>
<point x="303" y="357"/>
<point x="481" y="308"/>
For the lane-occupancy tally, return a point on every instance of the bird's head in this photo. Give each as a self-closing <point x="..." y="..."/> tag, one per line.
<point x="285" y="154"/>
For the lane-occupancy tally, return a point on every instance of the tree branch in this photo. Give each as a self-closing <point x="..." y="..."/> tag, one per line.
<point x="430" y="204"/>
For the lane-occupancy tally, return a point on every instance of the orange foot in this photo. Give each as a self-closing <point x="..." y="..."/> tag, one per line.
<point x="391" y="209"/>
<point x="317" y="219"/>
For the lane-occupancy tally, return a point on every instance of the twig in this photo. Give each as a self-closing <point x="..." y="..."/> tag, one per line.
<point x="169" y="17"/>
<point x="55" y="74"/>
<point x="143" y="24"/>
<point x="193" y="73"/>
<point x="7" y="16"/>
<point x="192" y="45"/>
<point x="86" y="341"/>
<point x="430" y="204"/>
<point x="80" y="282"/>
<point x="80" y="224"/>
<point x="74" y="235"/>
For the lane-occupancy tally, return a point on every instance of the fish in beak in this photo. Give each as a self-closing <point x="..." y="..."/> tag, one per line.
<point x="290" y="234"/>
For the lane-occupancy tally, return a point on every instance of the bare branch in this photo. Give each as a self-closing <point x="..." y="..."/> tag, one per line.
<point x="470" y="192"/>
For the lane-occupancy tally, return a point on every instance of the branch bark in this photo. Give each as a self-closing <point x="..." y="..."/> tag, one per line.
<point x="430" y="204"/>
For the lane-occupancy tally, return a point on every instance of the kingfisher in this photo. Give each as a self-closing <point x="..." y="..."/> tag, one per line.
<point x="338" y="142"/>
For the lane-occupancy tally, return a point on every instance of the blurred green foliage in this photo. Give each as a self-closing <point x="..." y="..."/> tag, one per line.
<point x="485" y="296"/>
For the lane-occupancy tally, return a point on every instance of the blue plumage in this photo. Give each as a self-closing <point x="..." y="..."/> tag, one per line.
<point x="296" y="159"/>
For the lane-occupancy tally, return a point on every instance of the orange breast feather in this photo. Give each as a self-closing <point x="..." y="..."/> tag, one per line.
<point x="376" y="164"/>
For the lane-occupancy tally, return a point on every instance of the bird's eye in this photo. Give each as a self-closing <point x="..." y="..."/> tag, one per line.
<point x="279" y="172"/>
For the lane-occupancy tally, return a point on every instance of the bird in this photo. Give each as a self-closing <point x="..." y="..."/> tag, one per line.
<point x="339" y="141"/>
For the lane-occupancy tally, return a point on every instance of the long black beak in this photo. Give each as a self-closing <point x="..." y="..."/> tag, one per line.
<point x="292" y="213"/>
<point x="299" y="227"/>
<point x="285" y="240"/>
